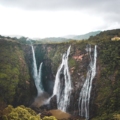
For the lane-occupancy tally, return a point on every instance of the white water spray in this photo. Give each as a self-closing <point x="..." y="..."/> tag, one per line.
<point x="37" y="74"/>
<point x="63" y="94"/>
<point x="84" y="98"/>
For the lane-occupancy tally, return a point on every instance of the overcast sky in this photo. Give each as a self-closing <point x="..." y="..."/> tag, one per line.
<point x="53" y="18"/>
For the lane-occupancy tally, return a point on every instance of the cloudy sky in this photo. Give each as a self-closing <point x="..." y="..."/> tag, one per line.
<point x="48" y="18"/>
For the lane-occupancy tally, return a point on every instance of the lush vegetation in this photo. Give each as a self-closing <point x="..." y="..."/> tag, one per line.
<point x="22" y="113"/>
<point x="13" y="73"/>
<point x="108" y="82"/>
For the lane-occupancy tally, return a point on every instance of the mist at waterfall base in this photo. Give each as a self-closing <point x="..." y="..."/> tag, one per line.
<point x="84" y="98"/>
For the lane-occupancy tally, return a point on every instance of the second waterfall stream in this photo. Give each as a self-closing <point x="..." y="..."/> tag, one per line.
<point x="63" y="86"/>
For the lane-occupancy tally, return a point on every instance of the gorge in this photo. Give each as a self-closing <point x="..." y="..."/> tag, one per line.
<point x="86" y="79"/>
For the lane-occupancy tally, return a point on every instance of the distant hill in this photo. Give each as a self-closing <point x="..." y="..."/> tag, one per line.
<point x="54" y="39"/>
<point x="70" y="37"/>
<point x="84" y="36"/>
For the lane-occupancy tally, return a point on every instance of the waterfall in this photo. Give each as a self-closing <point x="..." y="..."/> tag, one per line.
<point x="84" y="98"/>
<point x="37" y="74"/>
<point x="62" y="87"/>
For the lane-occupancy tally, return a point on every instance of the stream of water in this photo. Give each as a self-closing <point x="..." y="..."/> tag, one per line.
<point x="62" y="87"/>
<point x="84" y="98"/>
<point x="37" y="74"/>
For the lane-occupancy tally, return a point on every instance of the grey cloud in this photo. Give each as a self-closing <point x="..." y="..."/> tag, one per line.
<point x="108" y="9"/>
<point x="95" y="5"/>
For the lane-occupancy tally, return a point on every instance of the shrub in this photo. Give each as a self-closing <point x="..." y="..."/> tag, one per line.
<point x="19" y="113"/>
<point x="49" y="118"/>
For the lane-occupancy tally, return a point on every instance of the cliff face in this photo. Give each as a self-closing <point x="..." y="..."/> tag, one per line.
<point x="17" y="86"/>
<point x="78" y="63"/>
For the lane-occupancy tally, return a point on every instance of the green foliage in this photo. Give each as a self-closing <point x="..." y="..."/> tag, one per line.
<point x="22" y="113"/>
<point x="108" y="83"/>
<point x="7" y="110"/>
<point x="116" y="117"/>
<point x="104" y="116"/>
<point x="13" y="71"/>
<point x="22" y="40"/>
<point x="72" y="63"/>
<point x="19" y="113"/>
<point x="49" y="118"/>
<point x="35" y="118"/>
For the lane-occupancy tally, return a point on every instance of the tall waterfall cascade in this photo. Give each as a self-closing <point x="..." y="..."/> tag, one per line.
<point x="84" y="98"/>
<point x="37" y="74"/>
<point x="63" y="93"/>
